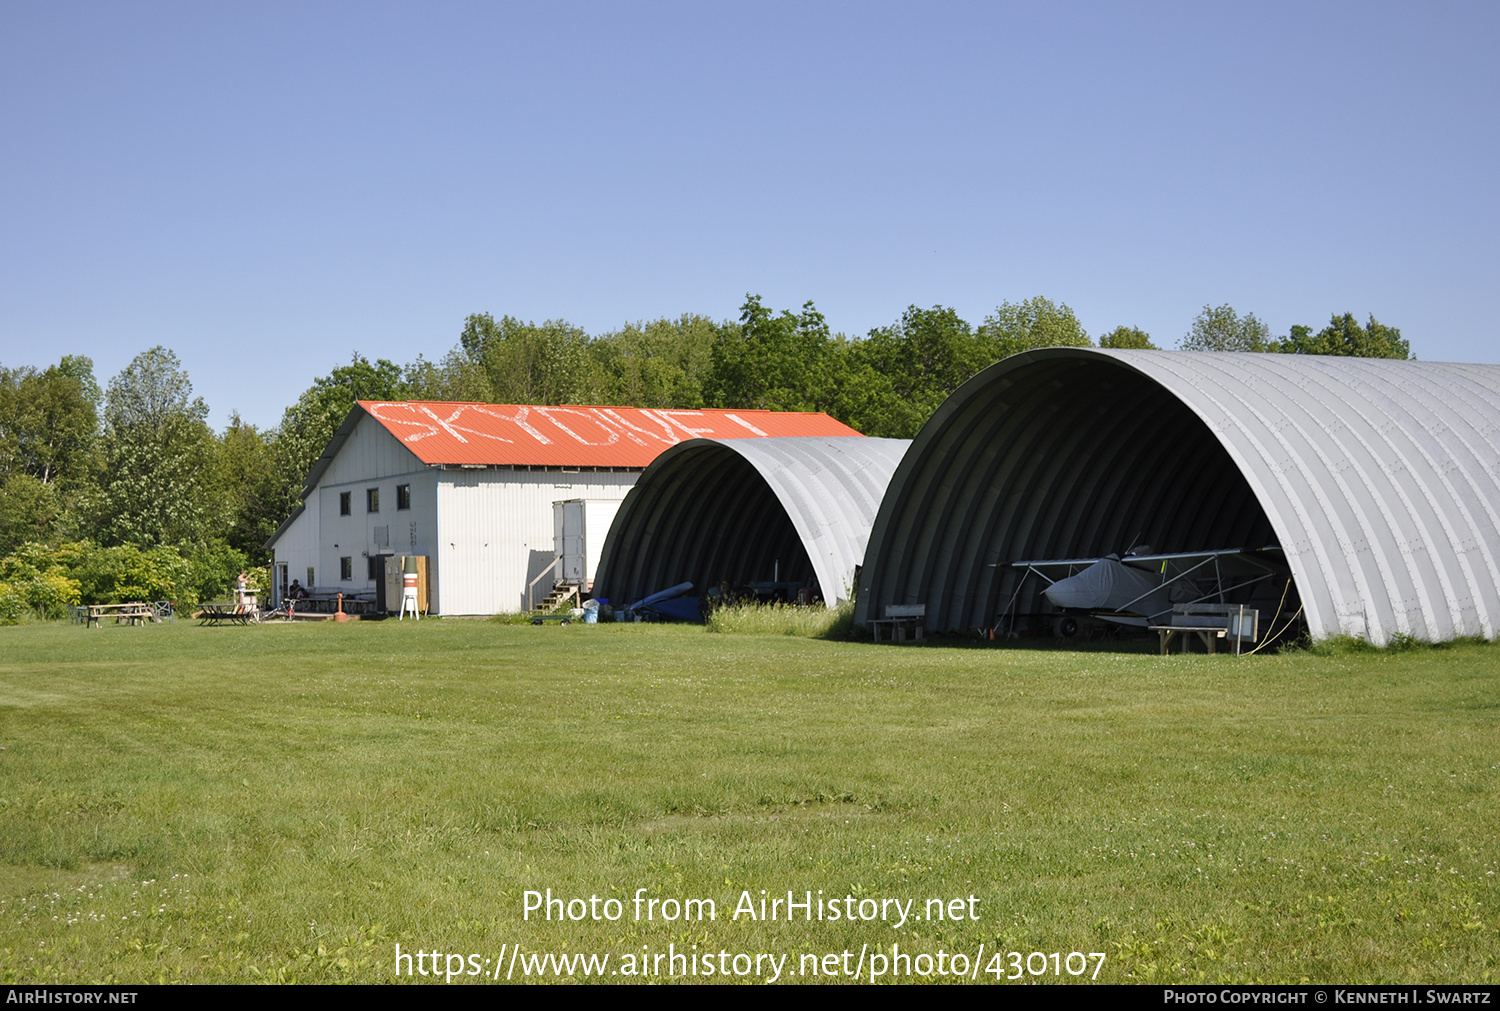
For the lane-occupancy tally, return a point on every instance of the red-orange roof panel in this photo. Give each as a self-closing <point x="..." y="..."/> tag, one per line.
<point x="572" y="436"/>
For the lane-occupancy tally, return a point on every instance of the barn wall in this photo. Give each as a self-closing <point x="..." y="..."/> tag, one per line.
<point x="298" y="547"/>
<point x="495" y="531"/>
<point x="371" y="458"/>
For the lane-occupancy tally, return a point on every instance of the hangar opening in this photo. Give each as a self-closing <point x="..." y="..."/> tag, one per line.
<point x="780" y="520"/>
<point x="1069" y="454"/>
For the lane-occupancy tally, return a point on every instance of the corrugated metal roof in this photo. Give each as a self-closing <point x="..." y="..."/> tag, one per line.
<point x="711" y="510"/>
<point x="575" y="436"/>
<point x="1379" y="479"/>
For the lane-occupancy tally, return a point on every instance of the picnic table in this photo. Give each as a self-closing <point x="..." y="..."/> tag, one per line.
<point x="134" y="612"/>
<point x="234" y="614"/>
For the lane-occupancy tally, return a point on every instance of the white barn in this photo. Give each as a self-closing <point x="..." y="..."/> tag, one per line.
<point x="472" y="487"/>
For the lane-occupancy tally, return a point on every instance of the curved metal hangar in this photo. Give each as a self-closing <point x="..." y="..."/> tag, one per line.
<point x="773" y="516"/>
<point x="1377" y="482"/>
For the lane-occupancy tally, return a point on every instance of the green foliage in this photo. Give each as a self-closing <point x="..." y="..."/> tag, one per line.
<point x="49" y="579"/>
<point x="126" y="572"/>
<point x="13" y="607"/>
<point x="523" y="363"/>
<point x="252" y="496"/>
<point x="47" y="424"/>
<point x="158" y="462"/>
<point x="1345" y="337"/>
<point x="1034" y="323"/>
<point x="1127" y="337"/>
<point x="212" y="573"/>
<point x="308" y="425"/>
<point x="30" y="510"/>
<point x="149" y="392"/>
<point x="81" y="368"/>
<point x="897" y="376"/>
<point x="772" y="362"/>
<point x="34" y="582"/>
<point x="663" y="363"/>
<point x="1222" y="329"/>
<point x="158" y="484"/>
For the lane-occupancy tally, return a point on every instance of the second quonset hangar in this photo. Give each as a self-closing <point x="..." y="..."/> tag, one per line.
<point x="790" y="511"/>
<point x="1379" y="481"/>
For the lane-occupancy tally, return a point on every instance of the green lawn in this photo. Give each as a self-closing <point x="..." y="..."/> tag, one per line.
<point x="239" y="804"/>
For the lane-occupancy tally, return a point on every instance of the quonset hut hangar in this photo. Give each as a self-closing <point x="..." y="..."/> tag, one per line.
<point x="475" y="488"/>
<point x="1378" y="480"/>
<point x="749" y="512"/>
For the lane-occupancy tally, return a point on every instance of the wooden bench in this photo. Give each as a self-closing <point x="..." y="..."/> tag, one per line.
<point x="903" y="620"/>
<point x="1210" y="623"/>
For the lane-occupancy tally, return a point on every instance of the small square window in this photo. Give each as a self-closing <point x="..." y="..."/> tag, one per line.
<point x="344" y="503"/>
<point x="403" y="496"/>
<point x="372" y="500"/>
<point x="346" y="569"/>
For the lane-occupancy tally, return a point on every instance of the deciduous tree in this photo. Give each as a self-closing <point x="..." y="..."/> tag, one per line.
<point x="1222" y="329"/>
<point x="158" y="482"/>
<point x="1127" y="337"/>
<point x="899" y="374"/>
<point x="1344" y="336"/>
<point x="1034" y="323"/>
<point x="527" y="363"/>
<point x="774" y="362"/>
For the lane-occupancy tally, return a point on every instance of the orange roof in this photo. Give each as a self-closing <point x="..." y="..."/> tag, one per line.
<point x="573" y="436"/>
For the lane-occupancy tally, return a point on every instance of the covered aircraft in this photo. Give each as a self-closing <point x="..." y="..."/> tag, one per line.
<point x="1141" y="588"/>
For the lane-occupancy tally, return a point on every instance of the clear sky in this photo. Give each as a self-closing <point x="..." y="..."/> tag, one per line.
<point x="266" y="188"/>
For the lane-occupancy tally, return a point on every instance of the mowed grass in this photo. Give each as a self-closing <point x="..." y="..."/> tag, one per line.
<point x="289" y="803"/>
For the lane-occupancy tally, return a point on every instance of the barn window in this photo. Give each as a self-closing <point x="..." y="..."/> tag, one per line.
<point x="372" y="500"/>
<point x="344" y="507"/>
<point x="346" y="569"/>
<point x="403" y="496"/>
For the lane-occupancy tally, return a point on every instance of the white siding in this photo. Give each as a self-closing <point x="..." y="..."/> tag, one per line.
<point x="298" y="545"/>
<point x="370" y="452"/>
<point x="371" y="458"/>
<point x="496" y="533"/>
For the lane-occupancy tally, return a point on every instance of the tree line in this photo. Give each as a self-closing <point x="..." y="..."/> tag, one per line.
<point x="125" y="491"/>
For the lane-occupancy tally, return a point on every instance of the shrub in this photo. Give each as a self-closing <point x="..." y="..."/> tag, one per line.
<point x="12" y="605"/>
<point x="35" y="581"/>
<point x="213" y="571"/>
<point x="125" y="573"/>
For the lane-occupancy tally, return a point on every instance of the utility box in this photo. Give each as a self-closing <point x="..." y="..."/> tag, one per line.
<point x="395" y="565"/>
<point x="579" y="527"/>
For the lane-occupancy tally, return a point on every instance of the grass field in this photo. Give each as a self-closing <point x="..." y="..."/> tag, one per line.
<point x="291" y="802"/>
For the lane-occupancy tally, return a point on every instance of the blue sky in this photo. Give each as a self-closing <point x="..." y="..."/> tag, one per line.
<point x="268" y="188"/>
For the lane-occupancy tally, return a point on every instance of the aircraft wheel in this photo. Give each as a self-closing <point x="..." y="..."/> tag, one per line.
<point x="1068" y="627"/>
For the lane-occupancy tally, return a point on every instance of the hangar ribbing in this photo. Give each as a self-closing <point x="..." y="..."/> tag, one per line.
<point x="1378" y="479"/>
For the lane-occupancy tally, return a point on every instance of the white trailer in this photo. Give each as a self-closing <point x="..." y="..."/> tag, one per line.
<point x="579" y="527"/>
